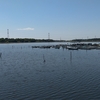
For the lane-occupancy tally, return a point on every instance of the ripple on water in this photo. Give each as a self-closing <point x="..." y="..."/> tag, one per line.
<point x="24" y="75"/>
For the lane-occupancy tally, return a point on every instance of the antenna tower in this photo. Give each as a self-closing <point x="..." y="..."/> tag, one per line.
<point x="48" y="36"/>
<point x="8" y="33"/>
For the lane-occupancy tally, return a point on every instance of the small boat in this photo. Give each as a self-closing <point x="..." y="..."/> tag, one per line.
<point x="72" y="48"/>
<point x="98" y="48"/>
<point x="87" y="47"/>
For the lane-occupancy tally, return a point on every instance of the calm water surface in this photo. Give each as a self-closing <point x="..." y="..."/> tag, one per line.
<point x="65" y="74"/>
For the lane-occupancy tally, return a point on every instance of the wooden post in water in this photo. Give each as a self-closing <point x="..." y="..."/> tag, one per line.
<point x="70" y="56"/>
<point x="0" y="54"/>
<point x="44" y="59"/>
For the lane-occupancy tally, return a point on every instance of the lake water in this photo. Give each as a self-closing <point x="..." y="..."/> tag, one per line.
<point x="65" y="74"/>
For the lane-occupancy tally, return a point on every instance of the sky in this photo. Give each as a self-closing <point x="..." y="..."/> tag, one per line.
<point x="62" y="19"/>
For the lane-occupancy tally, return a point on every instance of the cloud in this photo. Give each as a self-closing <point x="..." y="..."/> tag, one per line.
<point x="26" y="29"/>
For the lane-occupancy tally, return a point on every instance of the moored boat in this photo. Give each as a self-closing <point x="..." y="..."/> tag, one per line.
<point x="72" y="48"/>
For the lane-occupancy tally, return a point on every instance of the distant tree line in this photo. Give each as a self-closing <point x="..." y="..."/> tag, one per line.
<point x="86" y="40"/>
<point x="25" y="40"/>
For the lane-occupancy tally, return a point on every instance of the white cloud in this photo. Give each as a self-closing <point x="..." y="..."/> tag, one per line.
<point x="26" y="29"/>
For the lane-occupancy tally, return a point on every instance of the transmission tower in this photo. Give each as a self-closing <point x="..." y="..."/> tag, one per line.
<point x="48" y="36"/>
<point x="8" y="33"/>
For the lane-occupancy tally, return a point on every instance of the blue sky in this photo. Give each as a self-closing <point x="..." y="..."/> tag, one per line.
<point x="63" y="19"/>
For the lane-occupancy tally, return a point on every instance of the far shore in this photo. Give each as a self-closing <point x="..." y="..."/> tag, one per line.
<point x="32" y="40"/>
